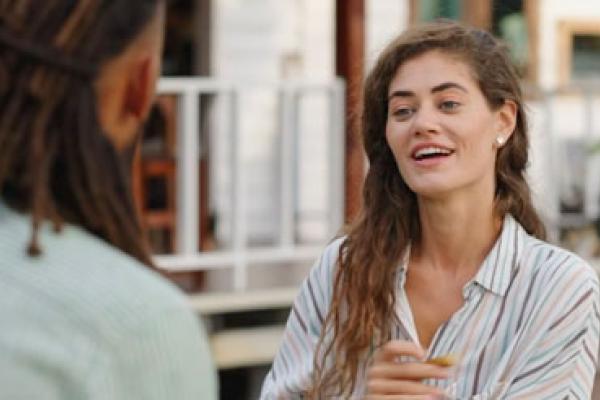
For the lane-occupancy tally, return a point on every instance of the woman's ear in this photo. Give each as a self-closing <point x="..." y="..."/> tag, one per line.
<point x="506" y="119"/>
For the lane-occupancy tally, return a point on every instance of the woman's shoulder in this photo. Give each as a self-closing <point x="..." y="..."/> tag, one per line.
<point x="322" y="274"/>
<point x="327" y="261"/>
<point x="556" y="266"/>
<point x="334" y="247"/>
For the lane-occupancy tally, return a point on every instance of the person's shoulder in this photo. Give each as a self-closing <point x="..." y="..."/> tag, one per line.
<point x="131" y="284"/>
<point x="95" y="298"/>
<point x="322" y="273"/>
<point x="554" y="264"/>
<point x="84" y="276"/>
<point x="329" y="256"/>
<point x="334" y="249"/>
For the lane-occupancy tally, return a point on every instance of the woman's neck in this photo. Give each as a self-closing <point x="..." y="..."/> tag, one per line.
<point x="456" y="233"/>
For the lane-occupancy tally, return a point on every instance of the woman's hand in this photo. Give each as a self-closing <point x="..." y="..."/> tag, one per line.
<point x="388" y="378"/>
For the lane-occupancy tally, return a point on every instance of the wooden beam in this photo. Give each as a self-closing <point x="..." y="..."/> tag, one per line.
<point x="350" y="17"/>
<point x="207" y="304"/>
<point x="532" y="16"/>
<point x="478" y="13"/>
<point x="414" y="12"/>
<point x="246" y="347"/>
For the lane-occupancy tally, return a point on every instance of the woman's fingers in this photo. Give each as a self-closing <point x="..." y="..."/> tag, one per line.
<point x="390" y="377"/>
<point x="396" y="348"/>
<point x="404" y="387"/>
<point x="409" y="370"/>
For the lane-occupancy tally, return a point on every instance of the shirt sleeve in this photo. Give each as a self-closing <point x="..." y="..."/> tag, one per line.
<point x="291" y="373"/>
<point x="562" y="362"/>
<point x="166" y="357"/>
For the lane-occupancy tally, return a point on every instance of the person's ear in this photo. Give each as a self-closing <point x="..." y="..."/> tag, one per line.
<point x="125" y="94"/>
<point x="506" y="120"/>
<point x="139" y="91"/>
<point x="125" y="85"/>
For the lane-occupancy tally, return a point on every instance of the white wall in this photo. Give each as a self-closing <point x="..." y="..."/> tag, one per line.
<point x="317" y="43"/>
<point x="268" y="41"/>
<point x="551" y="12"/>
<point x="384" y="20"/>
<point x="566" y="118"/>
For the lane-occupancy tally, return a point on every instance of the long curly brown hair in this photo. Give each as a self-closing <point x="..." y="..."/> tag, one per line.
<point x="362" y="308"/>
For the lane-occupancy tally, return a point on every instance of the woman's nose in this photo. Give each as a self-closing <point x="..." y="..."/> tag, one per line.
<point x="425" y="121"/>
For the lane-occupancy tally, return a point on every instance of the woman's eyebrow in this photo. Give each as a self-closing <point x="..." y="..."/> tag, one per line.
<point x="448" y="85"/>
<point x="438" y="88"/>
<point x="401" y="93"/>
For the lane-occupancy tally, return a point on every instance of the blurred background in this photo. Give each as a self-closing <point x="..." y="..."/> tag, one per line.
<point x="251" y="161"/>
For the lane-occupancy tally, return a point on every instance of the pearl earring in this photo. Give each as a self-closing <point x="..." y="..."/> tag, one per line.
<point x="500" y="141"/>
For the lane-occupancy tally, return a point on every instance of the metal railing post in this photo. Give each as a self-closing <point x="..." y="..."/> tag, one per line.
<point x="187" y="256"/>
<point x="336" y="143"/>
<point x="239" y="196"/>
<point x="288" y="132"/>
<point x="188" y="152"/>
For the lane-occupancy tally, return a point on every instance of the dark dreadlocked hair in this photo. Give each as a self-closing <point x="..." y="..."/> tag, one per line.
<point x="55" y="161"/>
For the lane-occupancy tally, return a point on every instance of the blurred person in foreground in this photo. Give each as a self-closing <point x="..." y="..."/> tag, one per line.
<point x="446" y="265"/>
<point x="83" y="316"/>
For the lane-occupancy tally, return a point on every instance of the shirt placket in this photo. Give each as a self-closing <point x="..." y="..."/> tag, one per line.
<point x="448" y="331"/>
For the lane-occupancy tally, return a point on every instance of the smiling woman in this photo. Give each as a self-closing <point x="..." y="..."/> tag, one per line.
<point x="441" y="130"/>
<point x="443" y="286"/>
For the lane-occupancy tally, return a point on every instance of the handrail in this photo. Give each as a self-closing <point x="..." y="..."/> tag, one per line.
<point x="189" y="92"/>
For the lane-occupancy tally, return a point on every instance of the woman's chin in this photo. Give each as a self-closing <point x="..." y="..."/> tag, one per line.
<point x="432" y="190"/>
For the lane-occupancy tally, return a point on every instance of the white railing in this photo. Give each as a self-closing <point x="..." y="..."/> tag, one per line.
<point x="240" y="255"/>
<point x="557" y="115"/>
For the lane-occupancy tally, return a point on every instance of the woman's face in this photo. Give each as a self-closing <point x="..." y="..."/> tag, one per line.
<point x="440" y="128"/>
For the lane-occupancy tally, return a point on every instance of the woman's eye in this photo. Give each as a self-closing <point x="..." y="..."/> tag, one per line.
<point x="449" y="105"/>
<point x="403" y="112"/>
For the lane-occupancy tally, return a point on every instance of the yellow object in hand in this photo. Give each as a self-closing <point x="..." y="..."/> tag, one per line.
<point x="444" y="361"/>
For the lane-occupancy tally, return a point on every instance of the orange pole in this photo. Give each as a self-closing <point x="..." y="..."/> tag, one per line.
<point x="350" y="16"/>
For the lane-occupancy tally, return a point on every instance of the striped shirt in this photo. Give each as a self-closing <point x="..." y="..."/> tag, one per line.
<point x="528" y="329"/>
<point x="86" y="321"/>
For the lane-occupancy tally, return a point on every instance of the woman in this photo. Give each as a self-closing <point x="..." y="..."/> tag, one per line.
<point x="447" y="257"/>
<point x="83" y="317"/>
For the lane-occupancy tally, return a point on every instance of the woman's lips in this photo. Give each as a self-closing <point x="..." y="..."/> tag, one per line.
<point x="432" y="160"/>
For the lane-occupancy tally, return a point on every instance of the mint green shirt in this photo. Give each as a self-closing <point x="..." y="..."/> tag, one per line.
<point x="86" y="321"/>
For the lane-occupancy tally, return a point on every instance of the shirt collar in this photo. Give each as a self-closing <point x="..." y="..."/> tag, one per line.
<point x="403" y="267"/>
<point x="498" y="266"/>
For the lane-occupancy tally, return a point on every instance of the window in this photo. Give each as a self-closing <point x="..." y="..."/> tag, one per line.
<point x="430" y="10"/>
<point x="585" y="61"/>
<point x="509" y="22"/>
<point x="515" y="21"/>
<point x="579" y="52"/>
